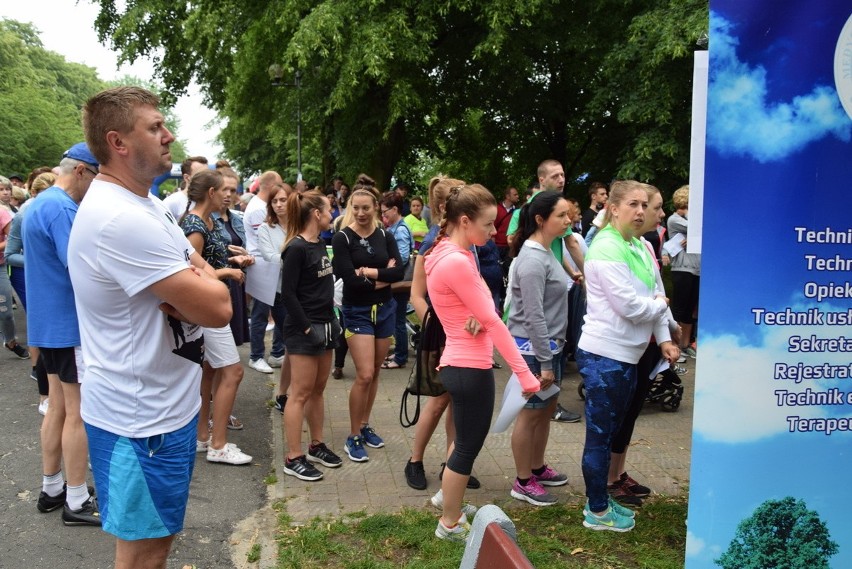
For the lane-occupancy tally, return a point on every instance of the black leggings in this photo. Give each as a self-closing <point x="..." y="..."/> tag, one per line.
<point x="472" y="395"/>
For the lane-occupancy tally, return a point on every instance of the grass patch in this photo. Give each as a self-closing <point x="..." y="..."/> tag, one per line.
<point x="271" y="478"/>
<point x="253" y="556"/>
<point x="551" y="537"/>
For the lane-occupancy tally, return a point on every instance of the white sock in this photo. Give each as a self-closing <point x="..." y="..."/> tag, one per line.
<point x="77" y="496"/>
<point x="52" y="484"/>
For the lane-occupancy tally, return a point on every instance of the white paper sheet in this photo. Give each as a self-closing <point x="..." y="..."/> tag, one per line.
<point x="674" y="245"/>
<point x="262" y="280"/>
<point x="661" y="366"/>
<point x="513" y="402"/>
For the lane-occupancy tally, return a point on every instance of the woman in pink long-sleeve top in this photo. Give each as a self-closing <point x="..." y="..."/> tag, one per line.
<point x="458" y="292"/>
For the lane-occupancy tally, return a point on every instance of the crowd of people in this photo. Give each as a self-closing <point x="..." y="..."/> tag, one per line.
<point x="134" y="342"/>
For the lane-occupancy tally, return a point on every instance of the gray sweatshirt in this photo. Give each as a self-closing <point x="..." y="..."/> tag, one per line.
<point x="683" y="261"/>
<point x="539" y="309"/>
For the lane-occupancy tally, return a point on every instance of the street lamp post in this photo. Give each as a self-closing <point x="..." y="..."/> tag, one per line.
<point x="276" y="74"/>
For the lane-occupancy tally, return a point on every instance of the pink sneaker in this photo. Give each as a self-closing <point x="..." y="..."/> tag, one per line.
<point x="551" y="478"/>
<point x="533" y="492"/>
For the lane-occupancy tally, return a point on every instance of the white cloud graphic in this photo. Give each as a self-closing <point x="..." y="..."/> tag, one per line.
<point x="741" y="120"/>
<point x="694" y="545"/>
<point x="735" y="399"/>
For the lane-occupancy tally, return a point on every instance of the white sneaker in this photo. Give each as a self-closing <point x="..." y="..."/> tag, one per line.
<point x="42" y="407"/>
<point x="202" y="446"/>
<point x="275" y="361"/>
<point x="468" y="510"/>
<point x="229" y="454"/>
<point x="260" y="365"/>
<point x="270" y="326"/>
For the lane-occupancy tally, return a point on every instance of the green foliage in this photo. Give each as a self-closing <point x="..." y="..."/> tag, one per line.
<point x="41" y="96"/>
<point x="782" y="534"/>
<point x="481" y="90"/>
<point x="253" y="556"/>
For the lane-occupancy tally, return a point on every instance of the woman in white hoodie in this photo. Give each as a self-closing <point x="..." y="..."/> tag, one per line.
<point x="625" y="306"/>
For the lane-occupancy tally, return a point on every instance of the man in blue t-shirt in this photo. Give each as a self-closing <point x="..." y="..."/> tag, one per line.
<point x="52" y="326"/>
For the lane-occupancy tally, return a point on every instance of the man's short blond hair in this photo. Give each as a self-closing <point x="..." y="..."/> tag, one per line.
<point x="113" y="110"/>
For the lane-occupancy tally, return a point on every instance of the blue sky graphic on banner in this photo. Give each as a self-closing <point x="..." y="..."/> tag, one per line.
<point x="779" y="157"/>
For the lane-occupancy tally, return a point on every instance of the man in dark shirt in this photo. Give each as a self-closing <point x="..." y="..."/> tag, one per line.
<point x="597" y="200"/>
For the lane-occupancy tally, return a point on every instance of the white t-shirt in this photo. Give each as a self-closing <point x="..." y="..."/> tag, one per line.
<point x="253" y="217"/>
<point x="143" y="368"/>
<point x="175" y="202"/>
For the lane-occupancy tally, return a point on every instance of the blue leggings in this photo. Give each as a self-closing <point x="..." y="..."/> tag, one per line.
<point x="472" y="395"/>
<point x="609" y="389"/>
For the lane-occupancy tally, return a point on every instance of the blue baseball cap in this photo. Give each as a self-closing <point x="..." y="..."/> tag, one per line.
<point x="81" y="152"/>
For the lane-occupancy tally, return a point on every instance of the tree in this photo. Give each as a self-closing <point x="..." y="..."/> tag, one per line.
<point x="781" y="534"/>
<point x="484" y="90"/>
<point x="41" y="99"/>
<point x="41" y="96"/>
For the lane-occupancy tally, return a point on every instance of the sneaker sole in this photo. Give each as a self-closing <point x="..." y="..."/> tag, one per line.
<point x="80" y="523"/>
<point x="301" y="476"/>
<point x="216" y="460"/>
<point x="353" y="459"/>
<point x="458" y="538"/>
<point x="552" y="483"/>
<point x="529" y="499"/>
<point x="600" y="527"/>
<point x="374" y="446"/>
<point x="415" y="486"/>
<point x="260" y="370"/>
<point x="318" y="460"/>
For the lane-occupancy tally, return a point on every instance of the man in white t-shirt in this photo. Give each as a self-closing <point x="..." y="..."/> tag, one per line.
<point x="270" y="183"/>
<point x="176" y="202"/>
<point x="142" y="294"/>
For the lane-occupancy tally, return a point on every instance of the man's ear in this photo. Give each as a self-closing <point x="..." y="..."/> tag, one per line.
<point x="116" y="141"/>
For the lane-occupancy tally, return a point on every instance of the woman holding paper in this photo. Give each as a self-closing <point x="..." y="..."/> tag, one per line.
<point x="625" y="305"/>
<point x="457" y="292"/>
<point x="538" y="319"/>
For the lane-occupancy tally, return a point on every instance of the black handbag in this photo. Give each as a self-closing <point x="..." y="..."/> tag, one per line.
<point x="425" y="379"/>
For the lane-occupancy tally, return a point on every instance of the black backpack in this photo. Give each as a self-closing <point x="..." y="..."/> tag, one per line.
<point x="425" y="378"/>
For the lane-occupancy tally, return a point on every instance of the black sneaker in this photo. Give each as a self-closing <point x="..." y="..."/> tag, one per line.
<point x="634" y="487"/>
<point x="47" y="503"/>
<point x="19" y="351"/>
<point x="622" y="495"/>
<point x="301" y="469"/>
<point x="563" y="415"/>
<point x="280" y="402"/>
<point x="323" y="455"/>
<point x="87" y="515"/>
<point x="415" y="475"/>
<point x="472" y="483"/>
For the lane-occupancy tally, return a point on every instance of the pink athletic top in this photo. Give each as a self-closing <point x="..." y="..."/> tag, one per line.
<point x="457" y="292"/>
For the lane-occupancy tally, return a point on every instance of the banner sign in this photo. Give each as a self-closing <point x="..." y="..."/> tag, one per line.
<point x="772" y="443"/>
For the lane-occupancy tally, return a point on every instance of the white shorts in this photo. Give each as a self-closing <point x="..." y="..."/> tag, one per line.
<point x="220" y="349"/>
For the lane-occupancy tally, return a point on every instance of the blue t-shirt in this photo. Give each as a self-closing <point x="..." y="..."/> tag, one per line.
<point x="51" y="311"/>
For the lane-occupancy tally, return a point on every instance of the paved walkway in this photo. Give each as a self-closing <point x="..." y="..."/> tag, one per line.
<point x="658" y="457"/>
